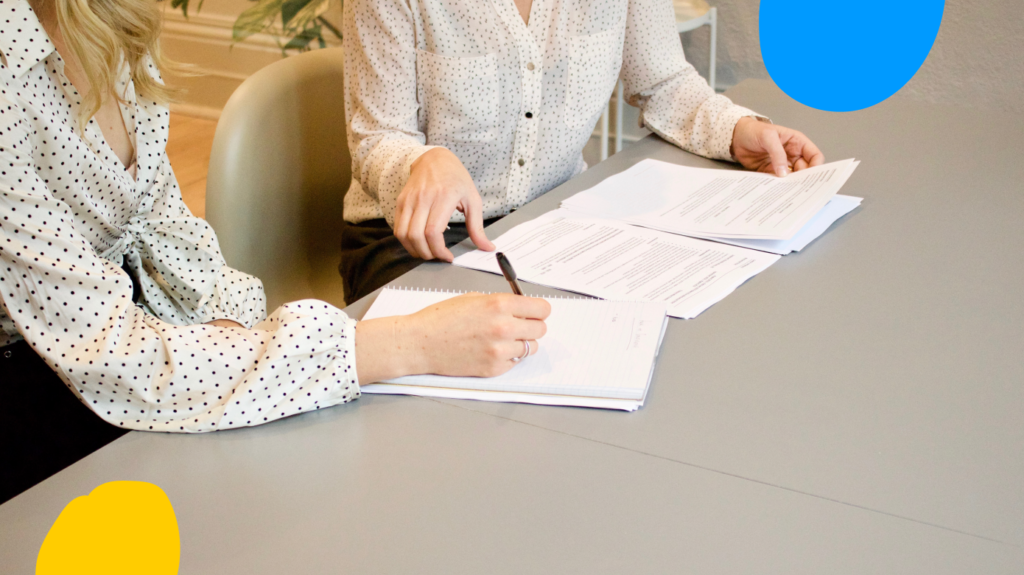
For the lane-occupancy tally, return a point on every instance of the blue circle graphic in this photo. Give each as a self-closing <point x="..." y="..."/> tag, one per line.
<point x="842" y="55"/>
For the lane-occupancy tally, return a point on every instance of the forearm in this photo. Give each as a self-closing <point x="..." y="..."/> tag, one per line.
<point x="204" y="378"/>
<point x="705" y="128"/>
<point x="381" y="104"/>
<point x="675" y="101"/>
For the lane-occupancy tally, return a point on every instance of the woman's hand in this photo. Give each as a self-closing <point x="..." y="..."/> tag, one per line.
<point x="773" y="149"/>
<point x="470" y="335"/>
<point x="438" y="185"/>
<point x="225" y="323"/>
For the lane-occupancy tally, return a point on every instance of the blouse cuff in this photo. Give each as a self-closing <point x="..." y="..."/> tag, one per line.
<point x="318" y="324"/>
<point x="393" y="179"/>
<point x="237" y="297"/>
<point x="346" y="387"/>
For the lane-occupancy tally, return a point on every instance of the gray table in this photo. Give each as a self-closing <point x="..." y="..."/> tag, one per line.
<point x="856" y="408"/>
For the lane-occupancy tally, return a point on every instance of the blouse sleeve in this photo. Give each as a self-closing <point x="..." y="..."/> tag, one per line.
<point x="204" y="289"/>
<point x="675" y="102"/>
<point x="381" y="106"/>
<point x="75" y="309"/>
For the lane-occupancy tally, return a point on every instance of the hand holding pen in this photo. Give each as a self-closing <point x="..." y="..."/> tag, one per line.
<point x="510" y="276"/>
<point x="509" y="272"/>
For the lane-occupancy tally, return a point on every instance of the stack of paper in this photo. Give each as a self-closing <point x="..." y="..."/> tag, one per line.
<point x="655" y="232"/>
<point x="722" y="205"/>
<point x="595" y="354"/>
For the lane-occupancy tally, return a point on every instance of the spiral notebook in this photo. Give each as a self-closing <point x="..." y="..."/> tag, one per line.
<point x="596" y="353"/>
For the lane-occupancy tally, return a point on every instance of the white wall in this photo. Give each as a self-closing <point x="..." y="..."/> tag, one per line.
<point x="203" y="40"/>
<point x="977" y="60"/>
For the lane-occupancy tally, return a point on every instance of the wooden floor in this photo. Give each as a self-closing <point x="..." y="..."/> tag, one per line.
<point x="188" y="147"/>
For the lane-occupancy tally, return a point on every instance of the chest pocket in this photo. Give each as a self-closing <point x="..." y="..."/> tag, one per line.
<point x="459" y="96"/>
<point x="594" y="63"/>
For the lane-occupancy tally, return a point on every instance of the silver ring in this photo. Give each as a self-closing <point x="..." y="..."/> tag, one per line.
<point x="526" y="352"/>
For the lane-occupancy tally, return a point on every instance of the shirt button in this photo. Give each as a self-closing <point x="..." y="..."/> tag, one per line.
<point x="530" y="66"/>
<point x="522" y="162"/>
<point x="529" y="114"/>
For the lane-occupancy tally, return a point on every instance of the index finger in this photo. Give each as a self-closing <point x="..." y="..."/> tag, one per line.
<point x="437" y="223"/>
<point x="475" y="223"/>
<point x="772" y="143"/>
<point x="528" y="307"/>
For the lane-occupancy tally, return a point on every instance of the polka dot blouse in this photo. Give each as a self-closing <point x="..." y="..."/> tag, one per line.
<point x="515" y="102"/>
<point x="70" y="215"/>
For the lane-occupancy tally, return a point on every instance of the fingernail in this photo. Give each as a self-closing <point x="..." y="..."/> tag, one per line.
<point x="781" y="172"/>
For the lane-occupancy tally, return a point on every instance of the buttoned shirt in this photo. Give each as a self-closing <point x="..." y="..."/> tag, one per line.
<point x="516" y="102"/>
<point x="71" y="215"/>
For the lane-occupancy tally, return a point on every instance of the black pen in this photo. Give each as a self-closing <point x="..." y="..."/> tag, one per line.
<point x="508" y="272"/>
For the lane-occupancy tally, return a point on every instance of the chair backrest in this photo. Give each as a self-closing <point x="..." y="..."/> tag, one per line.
<point x="278" y="172"/>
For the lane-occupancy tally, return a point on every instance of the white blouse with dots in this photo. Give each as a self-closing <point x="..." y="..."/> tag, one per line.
<point x="70" y="214"/>
<point x="515" y="102"/>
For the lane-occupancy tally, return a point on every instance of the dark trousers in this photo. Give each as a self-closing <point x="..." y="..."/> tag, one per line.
<point x="43" y="425"/>
<point x="372" y="256"/>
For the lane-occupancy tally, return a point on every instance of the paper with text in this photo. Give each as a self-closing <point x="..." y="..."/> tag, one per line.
<point x="838" y="207"/>
<point x="614" y="260"/>
<point x="712" y="203"/>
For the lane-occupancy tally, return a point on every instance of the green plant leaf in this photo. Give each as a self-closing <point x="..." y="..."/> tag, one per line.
<point x="292" y="7"/>
<point x="306" y="17"/>
<point x="329" y="26"/>
<point x="183" y="4"/>
<point x="256" y="19"/>
<point x="302" y="39"/>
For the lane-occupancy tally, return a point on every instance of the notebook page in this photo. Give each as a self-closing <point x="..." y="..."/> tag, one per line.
<point x="593" y="348"/>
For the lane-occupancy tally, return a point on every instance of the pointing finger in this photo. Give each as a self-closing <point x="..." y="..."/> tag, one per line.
<point x="437" y="223"/>
<point x="772" y="144"/>
<point x="475" y="223"/>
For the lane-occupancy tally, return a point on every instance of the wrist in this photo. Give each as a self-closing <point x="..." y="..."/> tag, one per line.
<point x="409" y="341"/>
<point x="225" y="323"/>
<point x="427" y="157"/>
<point x="736" y="132"/>
<point x="387" y="348"/>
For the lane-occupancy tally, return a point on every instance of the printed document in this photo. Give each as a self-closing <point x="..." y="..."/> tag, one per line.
<point x="838" y="207"/>
<point x="713" y="203"/>
<point x="614" y="260"/>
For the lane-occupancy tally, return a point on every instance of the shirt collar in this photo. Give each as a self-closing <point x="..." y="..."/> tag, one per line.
<point x="23" y="40"/>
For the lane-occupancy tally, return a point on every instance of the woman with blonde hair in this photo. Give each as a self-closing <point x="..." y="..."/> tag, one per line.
<point x="118" y="311"/>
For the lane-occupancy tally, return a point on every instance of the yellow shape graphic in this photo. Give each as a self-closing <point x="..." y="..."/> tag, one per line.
<point x="121" y="528"/>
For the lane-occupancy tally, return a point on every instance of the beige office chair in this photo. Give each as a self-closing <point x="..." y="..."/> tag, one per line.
<point x="278" y="170"/>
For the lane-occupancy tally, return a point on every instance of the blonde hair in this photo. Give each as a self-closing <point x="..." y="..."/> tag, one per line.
<point x="104" y="34"/>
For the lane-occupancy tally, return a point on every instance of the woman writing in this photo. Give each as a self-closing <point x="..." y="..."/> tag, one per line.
<point x="115" y="297"/>
<point x="464" y="110"/>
